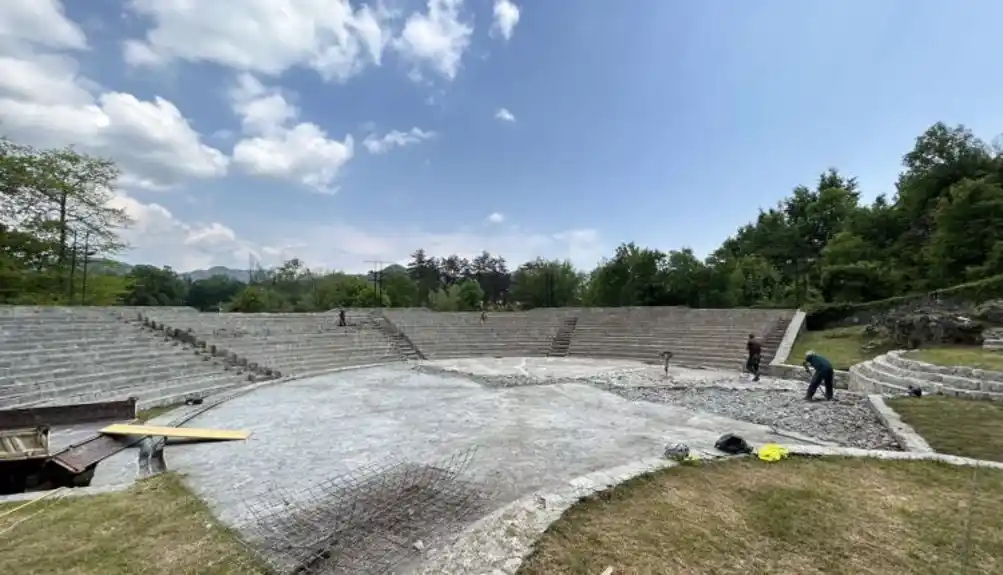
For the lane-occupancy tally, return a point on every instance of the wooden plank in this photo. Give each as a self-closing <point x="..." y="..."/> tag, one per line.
<point x="189" y="432"/>
<point x="80" y="456"/>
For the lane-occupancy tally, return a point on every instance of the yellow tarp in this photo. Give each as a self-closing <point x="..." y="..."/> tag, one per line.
<point x="186" y="432"/>
<point x="772" y="452"/>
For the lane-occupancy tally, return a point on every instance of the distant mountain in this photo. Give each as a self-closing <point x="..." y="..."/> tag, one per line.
<point x="196" y="275"/>
<point x="108" y="267"/>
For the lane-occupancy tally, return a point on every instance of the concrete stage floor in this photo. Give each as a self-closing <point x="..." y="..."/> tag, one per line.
<point x="527" y="438"/>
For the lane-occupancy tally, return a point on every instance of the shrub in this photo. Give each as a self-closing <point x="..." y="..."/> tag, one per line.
<point x="966" y="294"/>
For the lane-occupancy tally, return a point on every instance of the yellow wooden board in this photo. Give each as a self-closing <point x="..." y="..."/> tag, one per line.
<point x="187" y="432"/>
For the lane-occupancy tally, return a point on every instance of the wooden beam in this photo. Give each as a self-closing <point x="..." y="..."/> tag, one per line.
<point x="187" y="432"/>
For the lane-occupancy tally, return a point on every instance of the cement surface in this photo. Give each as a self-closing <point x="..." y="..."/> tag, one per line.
<point x="528" y="438"/>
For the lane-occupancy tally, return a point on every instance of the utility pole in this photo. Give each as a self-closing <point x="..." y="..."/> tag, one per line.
<point x="87" y="259"/>
<point x="378" y="277"/>
<point x="73" y="267"/>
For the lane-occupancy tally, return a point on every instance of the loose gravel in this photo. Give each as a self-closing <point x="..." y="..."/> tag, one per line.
<point x="846" y="420"/>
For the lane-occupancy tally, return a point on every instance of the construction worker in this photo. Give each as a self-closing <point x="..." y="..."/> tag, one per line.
<point x="824" y="374"/>
<point x="755" y="350"/>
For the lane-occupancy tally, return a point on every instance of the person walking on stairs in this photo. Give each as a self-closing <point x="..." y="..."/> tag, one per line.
<point x="823" y="375"/>
<point x="755" y="350"/>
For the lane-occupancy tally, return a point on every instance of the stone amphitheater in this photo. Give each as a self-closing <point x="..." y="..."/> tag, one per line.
<point x="555" y="403"/>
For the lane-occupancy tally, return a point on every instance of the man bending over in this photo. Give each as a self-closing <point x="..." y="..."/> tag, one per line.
<point x="755" y="354"/>
<point x="823" y="374"/>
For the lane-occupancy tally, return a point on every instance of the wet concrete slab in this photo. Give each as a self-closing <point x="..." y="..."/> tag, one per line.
<point x="527" y="438"/>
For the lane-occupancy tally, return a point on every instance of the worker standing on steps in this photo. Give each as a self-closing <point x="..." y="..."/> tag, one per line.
<point x="824" y="374"/>
<point x="755" y="355"/>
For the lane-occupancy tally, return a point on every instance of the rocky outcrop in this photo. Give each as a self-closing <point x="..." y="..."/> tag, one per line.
<point x="929" y="326"/>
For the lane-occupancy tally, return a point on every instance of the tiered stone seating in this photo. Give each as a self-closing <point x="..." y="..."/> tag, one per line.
<point x="993" y="338"/>
<point x="294" y="344"/>
<point x="696" y="337"/>
<point x="894" y="372"/>
<point x="65" y="355"/>
<point x="442" y="335"/>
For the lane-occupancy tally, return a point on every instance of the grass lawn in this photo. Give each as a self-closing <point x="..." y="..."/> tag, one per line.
<point x="970" y="356"/>
<point x="148" y="414"/>
<point x="155" y="528"/>
<point x="799" y="516"/>
<point x="841" y="346"/>
<point x="963" y="427"/>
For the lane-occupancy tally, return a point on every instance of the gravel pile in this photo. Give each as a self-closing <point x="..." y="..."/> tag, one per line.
<point x="847" y="420"/>
<point x="489" y="380"/>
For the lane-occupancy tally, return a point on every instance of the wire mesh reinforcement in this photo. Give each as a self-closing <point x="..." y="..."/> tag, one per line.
<point x="371" y="520"/>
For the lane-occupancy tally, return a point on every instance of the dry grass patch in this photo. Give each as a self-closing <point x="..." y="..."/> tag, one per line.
<point x="145" y="415"/>
<point x="968" y="356"/>
<point x="964" y="427"/>
<point x="799" y="516"/>
<point x="155" y="528"/>
<point x="843" y="346"/>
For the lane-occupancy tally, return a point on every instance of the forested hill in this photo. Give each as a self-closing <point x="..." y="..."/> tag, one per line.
<point x="942" y="225"/>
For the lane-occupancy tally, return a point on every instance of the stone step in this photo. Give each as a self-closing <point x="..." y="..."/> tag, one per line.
<point x="883" y="376"/>
<point x="887" y="365"/>
<point x="111" y="386"/>
<point x="54" y="346"/>
<point x="100" y="355"/>
<point x="65" y="379"/>
<point x="56" y="369"/>
<point x="902" y="360"/>
<point x="170" y="388"/>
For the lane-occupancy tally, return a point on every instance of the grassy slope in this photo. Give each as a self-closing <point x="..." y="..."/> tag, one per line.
<point x="155" y="528"/>
<point x="800" y="516"/>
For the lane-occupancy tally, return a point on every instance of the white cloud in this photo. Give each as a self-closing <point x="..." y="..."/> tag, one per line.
<point x="39" y="22"/>
<point x="506" y="16"/>
<point x="395" y="139"/>
<point x="496" y="218"/>
<point x="504" y="115"/>
<point x="159" y="238"/>
<point x="436" y="39"/>
<point x="46" y="102"/>
<point x="262" y="36"/>
<point x="276" y="147"/>
<point x="343" y="246"/>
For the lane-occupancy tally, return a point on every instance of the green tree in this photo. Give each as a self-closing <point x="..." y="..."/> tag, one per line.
<point x="208" y="294"/>
<point x="153" y="286"/>
<point x="543" y="283"/>
<point x="469" y="295"/>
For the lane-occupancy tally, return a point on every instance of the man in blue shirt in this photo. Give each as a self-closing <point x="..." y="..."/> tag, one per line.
<point x="823" y="374"/>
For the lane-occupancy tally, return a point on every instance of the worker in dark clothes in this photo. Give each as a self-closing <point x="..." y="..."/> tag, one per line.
<point x="823" y="374"/>
<point x="755" y="354"/>
<point x="341" y="318"/>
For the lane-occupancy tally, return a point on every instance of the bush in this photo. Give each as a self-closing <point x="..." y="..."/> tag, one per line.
<point x="833" y="314"/>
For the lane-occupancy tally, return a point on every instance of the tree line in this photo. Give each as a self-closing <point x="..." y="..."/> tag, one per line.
<point x="942" y="225"/>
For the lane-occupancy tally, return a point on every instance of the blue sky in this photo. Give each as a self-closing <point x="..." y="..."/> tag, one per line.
<point x="667" y="123"/>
